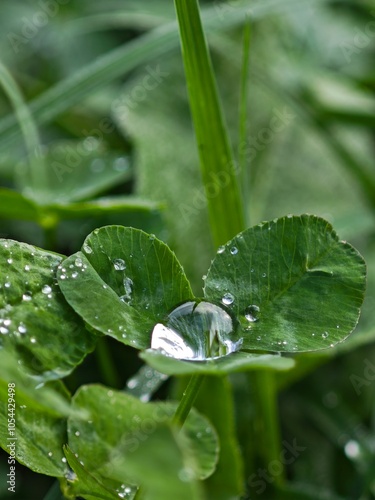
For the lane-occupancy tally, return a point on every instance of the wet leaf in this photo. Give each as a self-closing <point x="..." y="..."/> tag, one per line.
<point x="292" y="283"/>
<point x="36" y="324"/>
<point x="130" y="281"/>
<point x="119" y="423"/>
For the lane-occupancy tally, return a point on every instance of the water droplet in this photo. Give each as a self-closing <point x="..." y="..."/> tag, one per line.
<point x="7" y="284"/>
<point x="197" y="330"/>
<point x="87" y="248"/>
<point x="259" y="337"/>
<point x="119" y="264"/>
<point x="77" y="433"/>
<point x="10" y="261"/>
<point x="26" y="297"/>
<point x="33" y="340"/>
<point x="7" y="322"/>
<point x="186" y="474"/>
<point x="121" y="164"/>
<point x="62" y="276"/>
<point x="63" y="460"/>
<point x="325" y="335"/>
<point x="151" y="237"/>
<point x="46" y="289"/>
<point x="227" y="299"/>
<point x="74" y="275"/>
<point x="234" y="250"/>
<point x="352" y="449"/>
<point x="27" y="268"/>
<point x="264" y="275"/>
<point x="78" y="262"/>
<point x="71" y="475"/>
<point x="252" y="313"/>
<point x="105" y="287"/>
<point x="22" y="328"/>
<point x="3" y="330"/>
<point x="50" y="453"/>
<point x="221" y="249"/>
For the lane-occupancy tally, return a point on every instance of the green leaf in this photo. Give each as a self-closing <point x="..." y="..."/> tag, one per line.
<point x="40" y="419"/>
<point x="119" y="423"/>
<point x="102" y="206"/>
<point x="14" y="205"/>
<point x="36" y="324"/>
<point x="85" y="485"/>
<point x="235" y="362"/>
<point x="216" y="156"/>
<point x="78" y="170"/>
<point x="291" y="282"/>
<point x="130" y="280"/>
<point x="172" y="476"/>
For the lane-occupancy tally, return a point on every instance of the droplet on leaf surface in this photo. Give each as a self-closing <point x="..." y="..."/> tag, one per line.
<point x="197" y="330"/>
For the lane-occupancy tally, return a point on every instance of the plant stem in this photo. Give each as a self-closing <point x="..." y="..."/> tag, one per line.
<point x="266" y="426"/>
<point x="105" y="363"/>
<point x="187" y="400"/>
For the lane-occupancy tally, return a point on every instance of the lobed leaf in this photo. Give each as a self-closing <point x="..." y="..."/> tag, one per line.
<point x="291" y="282"/>
<point x="123" y="282"/>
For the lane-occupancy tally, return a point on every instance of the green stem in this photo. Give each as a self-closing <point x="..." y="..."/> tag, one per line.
<point x="187" y="400"/>
<point x="106" y="366"/>
<point x="54" y="493"/>
<point x="266" y="425"/>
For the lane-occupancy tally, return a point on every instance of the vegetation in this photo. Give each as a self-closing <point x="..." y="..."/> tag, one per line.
<point x="130" y="169"/>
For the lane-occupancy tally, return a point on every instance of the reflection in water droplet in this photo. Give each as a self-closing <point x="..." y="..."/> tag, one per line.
<point x="252" y="313"/>
<point x="119" y="264"/>
<point x="234" y="251"/>
<point x="227" y="299"/>
<point x="197" y="330"/>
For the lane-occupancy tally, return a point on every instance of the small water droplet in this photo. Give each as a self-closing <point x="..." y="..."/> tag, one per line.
<point x="26" y="297"/>
<point x="221" y="249"/>
<point x="22" y="329"/>
<point x="7" y="284"/>
<point x="63" y="460"/>
<point x="74" y="275"/>
<point x="3" y="330"/>
<point x="77" y="433"/>
<point x="119" y="264"/>
<point x="50" y="453"/>
<point x="105" y="287"/>
<point x="151" y="237"/>
<point x="227" y="299"/>
<point x="121" y="164"/>
<point x="259" y="337"/>
<point x="10" y="261"/>
<point x="264" y="275"/>
<point x="97" y="165"/>
<point x="7" y="322"/>
<point x="352" y="449"/>
<point x="62" y="276"/>
<point x="87" y="248"/>
<point x="46" y="289"/>
<point x="234" y="250"/>
<point x="325" y="335"/>
<point x="33" y="340"/>
<point x="71" y="475"/>
<point x="252" y="313"/>
<point x="27" y="268"/>
<point x="78" y="262"/>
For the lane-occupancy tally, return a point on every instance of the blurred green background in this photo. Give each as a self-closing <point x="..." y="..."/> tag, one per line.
<point x="105" y="88"/>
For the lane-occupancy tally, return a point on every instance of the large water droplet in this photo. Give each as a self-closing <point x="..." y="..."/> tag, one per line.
<point x="197" y="330"/>
<point x="119" y="264"/>
<point x="87" y="248"/>
<point x="227" y="299"/>
<point x="46" y="289"/>
<point x="252" y="313"/>
<point x="78" y="262"/>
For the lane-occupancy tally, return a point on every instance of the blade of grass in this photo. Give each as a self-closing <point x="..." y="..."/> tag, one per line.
<point x="27" y="126"/>
<point x="243" y="122"/>
<point x="216" y="158"/>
